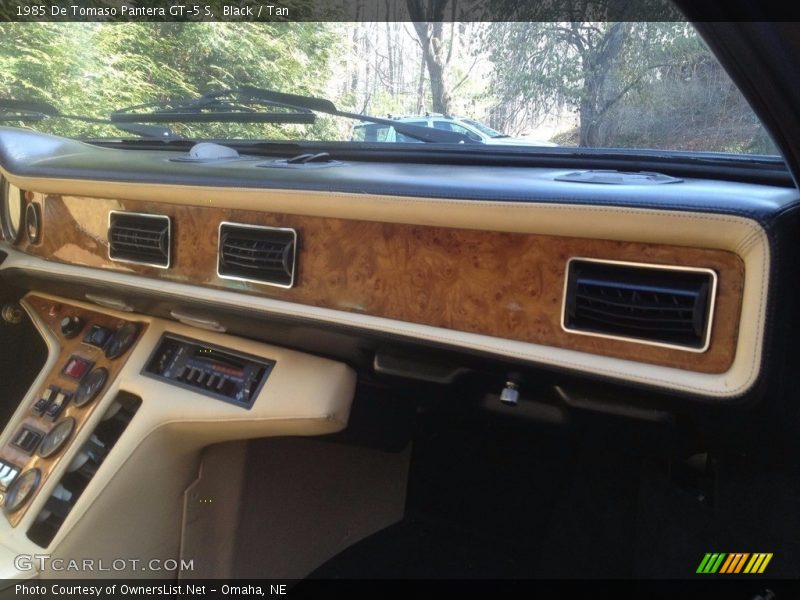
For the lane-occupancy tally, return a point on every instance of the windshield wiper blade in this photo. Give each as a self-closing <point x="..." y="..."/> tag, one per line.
<point x="226" y="106"/>
<point x="321" y="105"/>
<point x="246" y="104"/>
<point x="25" y="111"/>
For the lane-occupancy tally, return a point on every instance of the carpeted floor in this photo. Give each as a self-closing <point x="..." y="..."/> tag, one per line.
<point x="495" y="498"/>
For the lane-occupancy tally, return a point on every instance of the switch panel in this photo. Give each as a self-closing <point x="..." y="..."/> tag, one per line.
<point x="217" y="372"/>
<point x="72" y="391"/>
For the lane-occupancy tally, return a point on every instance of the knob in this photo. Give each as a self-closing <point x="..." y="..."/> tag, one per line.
<point x="510" y="394"/>
<point x="11" y="314"/>
<point x="71" y="326"/>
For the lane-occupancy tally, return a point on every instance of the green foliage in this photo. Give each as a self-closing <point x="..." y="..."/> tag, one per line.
<point x="95" y="68"/>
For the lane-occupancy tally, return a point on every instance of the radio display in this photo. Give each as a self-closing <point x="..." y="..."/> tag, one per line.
<point x="210" y="370"/>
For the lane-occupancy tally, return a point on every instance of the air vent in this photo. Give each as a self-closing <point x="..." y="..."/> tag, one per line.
<point x="139" y="238"/>
<point x="303" y="161"/>
<point x="256" y="253"/>
<point x="612" y="177"/>
<point x="654" y="304"/>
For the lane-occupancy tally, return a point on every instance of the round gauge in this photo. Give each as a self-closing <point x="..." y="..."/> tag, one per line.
<point x="91" y="386"/>
<point x="33" y="222"/>
<point x="122" y="340"/>
<point x="22" y="489"/>
<point x="56" y="437"/>
<point x="10" y="211"/>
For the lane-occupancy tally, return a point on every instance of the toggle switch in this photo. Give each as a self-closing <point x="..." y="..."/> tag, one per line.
<point x="77" y="367"/>
<point x="8" y="473"/>
<point x="57" y="405"/>
<point x="27" y="439"/>
<point x="97" y="336"/>
<point x="42" y="403"/>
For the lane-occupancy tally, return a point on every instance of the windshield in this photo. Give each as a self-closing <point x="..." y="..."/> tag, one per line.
<point x="483" y="128"/>
<point x="633" y="85"/>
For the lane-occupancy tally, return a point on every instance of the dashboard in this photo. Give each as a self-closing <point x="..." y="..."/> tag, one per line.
<point x="197" y="303"/>
<point x="476" y="261"/>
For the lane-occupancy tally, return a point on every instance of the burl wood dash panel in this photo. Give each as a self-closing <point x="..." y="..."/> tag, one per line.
<point x="507" y="285"/>
<point x="51" y="313"/>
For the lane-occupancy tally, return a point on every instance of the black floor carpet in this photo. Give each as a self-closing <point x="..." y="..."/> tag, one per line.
<point x="492" y="499"/>
<point x="495" y="498"/>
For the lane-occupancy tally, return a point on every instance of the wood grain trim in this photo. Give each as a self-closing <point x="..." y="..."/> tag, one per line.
<point x="51" y="313"/>
<point x="506" y="285"/>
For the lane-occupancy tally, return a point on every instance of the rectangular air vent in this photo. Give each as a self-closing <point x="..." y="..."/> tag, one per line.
<point x="653" y="304"/>
<point x="257" y="253"/>
<point x="139" y="238"/>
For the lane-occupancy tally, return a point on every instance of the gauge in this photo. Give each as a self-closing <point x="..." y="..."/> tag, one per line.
<point x="22" y="489"/>
<point x="56" y="437"/>
<point x="10" y="211"/>
<point x="122" y="340"/>
<point x="90" y="387"/>
<point x="33" y="222"/>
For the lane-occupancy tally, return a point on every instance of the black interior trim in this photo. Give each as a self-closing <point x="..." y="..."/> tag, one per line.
<point x="32" y="154"/>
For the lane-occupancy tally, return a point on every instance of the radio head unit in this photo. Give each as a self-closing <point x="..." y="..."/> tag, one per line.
<point x="217" y="372"/>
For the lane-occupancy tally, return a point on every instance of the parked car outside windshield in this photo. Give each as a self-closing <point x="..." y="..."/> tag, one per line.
<point x="473" y="129"/>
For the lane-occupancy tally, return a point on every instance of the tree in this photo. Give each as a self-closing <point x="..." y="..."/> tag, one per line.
<point x="564" y="64"/>
<point x="427" y="17"/>
<point x="580" y="54"/>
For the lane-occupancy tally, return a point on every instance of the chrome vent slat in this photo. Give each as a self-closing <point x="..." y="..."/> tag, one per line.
<point x="662" y="305"/>
<point x="139" y="238"/>
<point x="257" y="253"/>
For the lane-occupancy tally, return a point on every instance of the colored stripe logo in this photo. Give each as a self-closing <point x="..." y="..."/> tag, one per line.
<point x="734" y="563"/>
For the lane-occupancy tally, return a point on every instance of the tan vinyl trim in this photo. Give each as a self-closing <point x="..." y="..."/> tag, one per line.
<point x="303" y="396"/>
<point x="551" y="218"/>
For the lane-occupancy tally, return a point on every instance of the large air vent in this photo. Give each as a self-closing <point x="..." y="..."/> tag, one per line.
<point x="256" y="253"/>
<point x="139" y="238"/>
<point x="655" y="304"/>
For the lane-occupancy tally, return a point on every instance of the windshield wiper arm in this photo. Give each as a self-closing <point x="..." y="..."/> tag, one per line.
<point x="241" y="105"/>
<point x="22" y="110"/>
<point x="321" y="105"/>
<point x="226" y="106"/>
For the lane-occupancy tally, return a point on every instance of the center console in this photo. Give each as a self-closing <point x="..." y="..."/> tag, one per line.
<point x="99" y="455"/>
<point x="92" y="351"/>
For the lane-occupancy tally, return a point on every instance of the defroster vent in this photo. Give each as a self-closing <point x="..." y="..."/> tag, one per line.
<point x="655" y="304"/>
<point x="139" y="238"/>
<point x="257" y="253"/>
